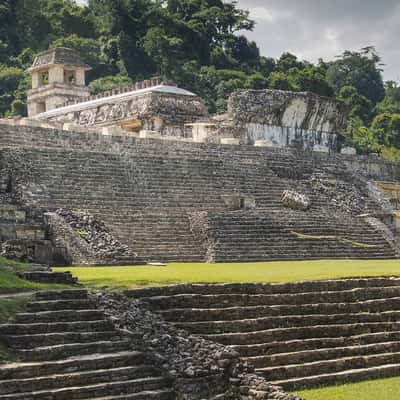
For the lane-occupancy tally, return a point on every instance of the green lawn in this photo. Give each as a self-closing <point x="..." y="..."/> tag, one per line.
<point x="384" y="389"/>
<point x="137" y="276"/>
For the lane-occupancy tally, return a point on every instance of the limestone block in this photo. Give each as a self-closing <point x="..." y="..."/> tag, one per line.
<point x="201" y="131"/>
<point x="295" y="200"/>
<point x="351" y="151"/>
<point x="146" y="134"/>
<point x="230" y="141"/>
<point x="31" y="122"/>
<point x="320" y="149"/>
<point x="74" y="128"/>
<point x="112" y="130"/>
<point x="264" y="143"/>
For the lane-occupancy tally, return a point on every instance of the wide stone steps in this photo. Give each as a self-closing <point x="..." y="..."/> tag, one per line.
<point x="38" y="328"/>
<point x="304" y="332"/>
<point x="52" y="339"/>
<point x="329" y="285"/>
<point x="303" y="345"/>
<point x="297" y="335"/>
<point x="83" y="378"/>
<point x="71" y="365"/>
<point x="71" y="351"/>
<point x="72" y="294"/>
<point x="54" y="305"/>
<point x="59" y="315"/>
<point x="329" y="366"/>
<point x="201" y="301"/>
<point x="241" y="313"/>
<point x="261" y="324"/>
<point x="347" y="376"/>
<point x="109" y="182"/>
<point x="93" y="391"/>
<point x="320" y="354"/>
<point x="145" y="395"/>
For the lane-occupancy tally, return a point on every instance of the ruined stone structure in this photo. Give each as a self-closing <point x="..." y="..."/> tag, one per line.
<point x="58" y="75"/>
<point x="275" y="118"/>
<point x="144" y="174"/>
<point x="73" y="344"/>
<point x="296" y="335"/>
<point x="174" y="200"/>
<point x="164" y="181"/>
<point x="59" y="96"/>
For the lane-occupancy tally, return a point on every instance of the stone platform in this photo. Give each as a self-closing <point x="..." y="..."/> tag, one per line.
<point x="177" y="201"/>
<point x="297" y="335"/>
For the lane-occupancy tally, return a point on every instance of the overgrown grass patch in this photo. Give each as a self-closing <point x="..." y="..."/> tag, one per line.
<point x="11" y="283"/>
<point x="383" y="389"/>
<point x="9" y="306"/>
<point x="282" y="271"/>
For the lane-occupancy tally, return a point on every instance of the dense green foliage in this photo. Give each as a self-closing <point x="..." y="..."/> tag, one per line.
<point x="200" y="45"/>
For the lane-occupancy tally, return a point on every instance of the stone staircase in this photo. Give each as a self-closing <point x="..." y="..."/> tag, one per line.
<point x="297" y="335"/>
<point x="259" y="235"/>
<point x="44" y="274"/>
<point x="67" y="349"/>
<point x="145" y="191"/>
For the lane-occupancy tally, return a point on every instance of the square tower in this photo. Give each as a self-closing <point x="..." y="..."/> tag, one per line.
<point x="58" y="76"/>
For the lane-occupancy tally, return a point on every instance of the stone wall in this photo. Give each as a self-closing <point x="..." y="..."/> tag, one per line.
<point x="282" y="118"/>
<point x="166" y="113"/>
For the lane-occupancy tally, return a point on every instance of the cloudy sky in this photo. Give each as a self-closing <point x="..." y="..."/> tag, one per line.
<point x="312" y="29"/>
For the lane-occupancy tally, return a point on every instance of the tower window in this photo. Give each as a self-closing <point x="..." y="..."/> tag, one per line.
<point x="69" y="77"/>
<point x="44" y="78"/>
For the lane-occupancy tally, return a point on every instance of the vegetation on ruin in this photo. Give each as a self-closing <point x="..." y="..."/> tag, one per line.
<point x="9" y="307"/>
<point x="281" y="271"/>
<point x="383" y="389"/>
<point x="11" y="283"/>
<point x="200" y="45"/>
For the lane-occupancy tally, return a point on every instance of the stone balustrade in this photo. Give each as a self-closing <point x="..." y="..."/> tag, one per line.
<point x="148" y="83"/>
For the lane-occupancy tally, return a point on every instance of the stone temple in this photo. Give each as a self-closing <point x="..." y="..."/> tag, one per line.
<point x="144" y="173"/>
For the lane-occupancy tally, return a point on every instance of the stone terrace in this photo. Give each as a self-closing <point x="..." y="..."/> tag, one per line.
<point x="69" y="350"/>
<point x="148" y="191"/>
<point x="297" y="335"/>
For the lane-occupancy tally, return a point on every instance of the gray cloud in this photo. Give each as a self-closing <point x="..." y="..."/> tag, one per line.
<point x="314" y="29"/>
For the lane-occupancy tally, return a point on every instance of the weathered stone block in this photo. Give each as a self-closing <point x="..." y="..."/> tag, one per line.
<point x="351" y="151"/>
<point x="264" y="143"/>
<point x="230" y="141"/>
<point x="296" y="201"/>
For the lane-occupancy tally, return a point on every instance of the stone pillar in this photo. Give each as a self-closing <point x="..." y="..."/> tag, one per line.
<point x="35" y="80"/>
<point x="56" y="74"/>
<point x="80" y="77"/>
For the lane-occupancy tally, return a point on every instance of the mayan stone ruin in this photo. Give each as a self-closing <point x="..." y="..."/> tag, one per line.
<point x="144" y="174"/>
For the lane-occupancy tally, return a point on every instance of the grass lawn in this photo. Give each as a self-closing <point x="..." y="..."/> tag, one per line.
<point x="137" y="276"/>
<point x="384" y="389"/>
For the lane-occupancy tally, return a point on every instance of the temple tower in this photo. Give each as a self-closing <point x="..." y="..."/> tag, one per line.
<point x="58" y="76"/>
